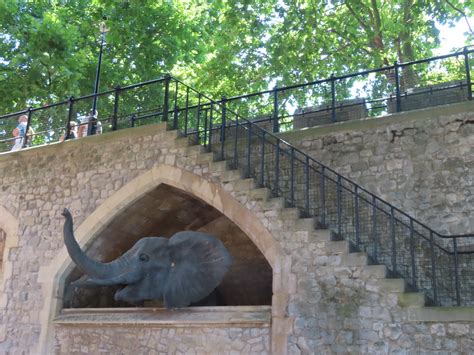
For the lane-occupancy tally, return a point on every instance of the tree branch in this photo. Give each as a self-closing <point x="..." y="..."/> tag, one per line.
<point x="462" y="13"/>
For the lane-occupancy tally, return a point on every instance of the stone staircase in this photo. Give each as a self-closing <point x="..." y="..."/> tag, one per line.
<point x="326" y="251"/>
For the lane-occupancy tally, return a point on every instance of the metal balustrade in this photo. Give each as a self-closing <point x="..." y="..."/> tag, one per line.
<point x="440" y="266"/>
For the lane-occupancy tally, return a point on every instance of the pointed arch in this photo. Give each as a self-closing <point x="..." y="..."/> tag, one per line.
<point x="207" y="191"/>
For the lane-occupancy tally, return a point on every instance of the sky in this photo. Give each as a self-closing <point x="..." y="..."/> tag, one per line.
<point x="452" y="37"/>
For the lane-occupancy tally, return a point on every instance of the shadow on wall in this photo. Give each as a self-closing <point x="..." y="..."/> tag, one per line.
<point x="163" y="212"/>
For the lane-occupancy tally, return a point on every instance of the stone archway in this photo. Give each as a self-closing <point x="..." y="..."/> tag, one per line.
<point x="211" y="193"/>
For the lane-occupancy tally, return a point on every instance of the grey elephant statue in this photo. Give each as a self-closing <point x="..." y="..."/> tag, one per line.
<point x="179" y="271"/>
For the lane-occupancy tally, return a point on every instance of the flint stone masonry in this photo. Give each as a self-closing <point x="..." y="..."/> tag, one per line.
<point x="421" y="162"/>
<point x="323" y="300"/>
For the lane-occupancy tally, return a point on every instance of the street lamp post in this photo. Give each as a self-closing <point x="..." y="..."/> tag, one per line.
<point x="103" y="30"/>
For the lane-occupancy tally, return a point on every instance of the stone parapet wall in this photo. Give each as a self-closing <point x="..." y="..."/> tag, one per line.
<point x="421" y="162"/>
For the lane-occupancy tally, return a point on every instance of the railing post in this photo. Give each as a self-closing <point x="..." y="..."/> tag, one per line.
<point x="339" y="206"/>
<point x="306" y="186"/>
<point x="28" y="124"/>
<point x="186" y="112"/>
<point x="206" y="111"/>
<point x="236" y="158"/>
<point x="397" y="87"/>
<point x="412" y="253"/>
<point x="116" y="103"/>
<point x="167" y="97"/>
<point x="433" y="270"/>
<point x="276" y="126"/>
<point x="276" y="188"/>
<point x="322" y="196"/>
<point x="223" y="123"/>
<point x="211" y="113"/>
<point x="333" y="98"/>
<point x="292" y="177"/>
<point x="69" y="117"/>
<point x="175" y="110"/>
<point x="249" y="139"/>
<point x="198" y="118"/>
<point x="392" y="235"/>
<point x="456" y="271"/>
<point x="357" y="216"/>
<point x="262" y="160"/>
<point x="468" y="74"/>
<point x="374" y="225"/>
<point x="132" y="120"/>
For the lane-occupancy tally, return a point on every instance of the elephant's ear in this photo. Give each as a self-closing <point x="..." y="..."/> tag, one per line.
<point x="199" y="262"/>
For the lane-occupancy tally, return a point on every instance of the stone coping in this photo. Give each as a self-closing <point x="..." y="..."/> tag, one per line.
<point x="403" y="117"/>
<point x="441" y="314"/>
<point x="226" y="316"/>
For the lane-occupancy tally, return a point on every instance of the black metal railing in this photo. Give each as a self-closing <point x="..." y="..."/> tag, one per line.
<point x="441" y="266"/>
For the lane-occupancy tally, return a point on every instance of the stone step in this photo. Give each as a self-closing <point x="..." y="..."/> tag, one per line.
<point x="392" y="285"/>
<point x="374" y="271"/>
<point x="337" y="247"/>
<point x="412" y="299"/>
<point x="304" y="224"/>
<point x="231" y="175"/>
<point x="243" y="184"/>
<point x="323" y="235"/>
<point x="355" y="259"/>
<point x="290" y="213"/>
<point x="182" y="142"/>
<point x="274" y="203"/>
<point x="259" y="194"/>
<point x="204" y="158"/>
<point x="219" y="166"/>
<point x="195" y="150"/>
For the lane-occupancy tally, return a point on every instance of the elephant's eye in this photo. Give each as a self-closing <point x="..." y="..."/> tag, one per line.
<point x="143" y="257"/>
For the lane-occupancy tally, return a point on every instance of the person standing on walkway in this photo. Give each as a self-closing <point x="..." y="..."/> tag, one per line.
<point x="19" y="132"/>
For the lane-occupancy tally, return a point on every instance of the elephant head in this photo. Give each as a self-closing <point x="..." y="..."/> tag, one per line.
<point x="180" y="270"/>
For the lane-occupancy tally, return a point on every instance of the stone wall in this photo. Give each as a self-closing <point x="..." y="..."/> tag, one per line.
<point x="325" y="299"/>
<point x="421" y="162"/>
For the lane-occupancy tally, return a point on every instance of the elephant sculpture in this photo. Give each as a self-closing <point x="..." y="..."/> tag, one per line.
<point x="179" y="271"/>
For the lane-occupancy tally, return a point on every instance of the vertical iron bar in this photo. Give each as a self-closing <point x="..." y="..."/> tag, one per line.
<point x="167" y="97"/>
<point x="468" y="73"/>
<point x="357" y="216"/>
<point x="339" y="206"/>
<point x="116" y="103"/>
<point x="433" y="270"/>
<point x="28" y="124"/>
<point x="333" y="98"/>
<point x="292" y="177"/>
<point x="249" y="138"/>
<point x="69" y="117"/>
<point x="374" y="225"/>
<point x="277" y="169"/>
<point x="223" y="123"/>
<point x="262" y="160"/>
<point x="412" y="252"/>
<point x="132" y="120"/>
<point x="236" y="158"/>
<point x="206" y="111"/>
<point x="198" y="118"/>
<point x="397" y="87"/>
<point x="306" y="186"/>
<point x="392" y="236"/>
<point x="186" y="112"/>
<point x="456" y="271"/>
<point x="175" y="111"/>
<point x="322" y="196"/>
<point x="276" y="126"/>
<point x="210" y="126"/>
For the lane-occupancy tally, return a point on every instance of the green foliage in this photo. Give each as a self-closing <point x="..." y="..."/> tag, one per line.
<point x="49" y="49"/>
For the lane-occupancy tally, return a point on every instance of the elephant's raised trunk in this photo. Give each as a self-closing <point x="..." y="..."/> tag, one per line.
<point x="87" y="265"/>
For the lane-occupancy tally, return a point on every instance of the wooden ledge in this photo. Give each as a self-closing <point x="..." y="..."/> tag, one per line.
<point x="230" y="316"/>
